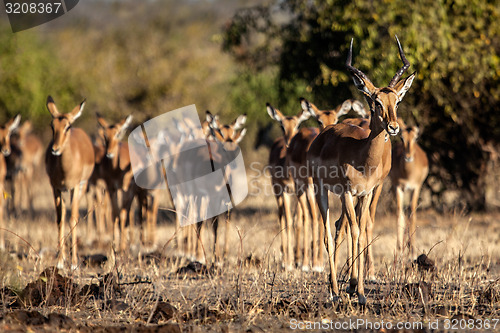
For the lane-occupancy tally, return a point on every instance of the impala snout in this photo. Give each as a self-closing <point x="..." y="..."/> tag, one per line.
<point x="110" y="155"/>
<point x="6" y="151"/>
<point x="56" y="151"/>
<point x="408" y="158"/>
<point x="393" y="128"/>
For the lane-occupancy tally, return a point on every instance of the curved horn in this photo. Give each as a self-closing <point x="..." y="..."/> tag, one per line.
<point x="349" y="66"/>
<point x="403" y="69"/>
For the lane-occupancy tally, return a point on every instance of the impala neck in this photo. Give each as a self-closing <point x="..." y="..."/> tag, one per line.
<point x="377" y="139"/>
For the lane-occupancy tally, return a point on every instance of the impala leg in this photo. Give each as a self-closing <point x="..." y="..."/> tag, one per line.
<point x="2" y="221"/>
<point x="413" y="220"/>
<point x="299" y="234"/>
<point x="91" y="207"/>
<point x="316" y="250"/>
<point x="226" y="234"/>
<point x="75" y="198"/>
<point x="115" y="215"/>
<point x="364" y="203"/>
<point x="99" y="212"/>
<point x="154" y="217"/>
<point x="108" y="213"/>
<point x="179" y="231"/>
<point x="28" y="177"/>
<point x="322" y="200"/>
<point x="348" y="207"/>
<point x="144" y="214"/>
<point x="193" y="240"/>
<point x="288" y="223"/>
<point x="125" y="225"/>
<point x="321" y="238"/>
<point x="341" y="227"/>
<point x="283" y="231"/>
<point x="199" y="245"/>
<point x="401" y="216"/>
<point x="369" y="232"/>
<point x="215" y="227"/>
<point x="60" y="213"/>
<point x="307" y="229"/>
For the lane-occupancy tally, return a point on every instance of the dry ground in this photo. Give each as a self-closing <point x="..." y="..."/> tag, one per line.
<point x="144" y="291"/>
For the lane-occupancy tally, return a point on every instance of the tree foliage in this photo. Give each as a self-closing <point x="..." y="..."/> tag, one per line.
<point x="453" y="45"/>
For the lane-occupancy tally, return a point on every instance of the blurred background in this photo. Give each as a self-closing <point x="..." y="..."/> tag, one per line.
<point x="232" y="56"/>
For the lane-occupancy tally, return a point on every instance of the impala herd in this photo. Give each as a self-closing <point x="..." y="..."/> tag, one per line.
<point x="350" y="158"/>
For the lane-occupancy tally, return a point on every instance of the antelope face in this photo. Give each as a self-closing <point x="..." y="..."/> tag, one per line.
<point x="229" y="135"/>
<point x="61" y="125"/>
<point x="289" y="124"/>
<point x="326" y="118"/>
<point x="113" y="134"/>
<point x="6" y="131"/>
<point x="383" y="101"/>
<point x="409" y="137"/>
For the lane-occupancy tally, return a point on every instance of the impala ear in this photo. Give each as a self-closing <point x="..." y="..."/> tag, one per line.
<point x="51" y="106"/>
<point x="403" y="85"/>
<point x="14" y="123"/>
<point x="240" y="121"/>
<point x="417" y="132"/>
<point x="213" y="121"/>
<point x="274" y="113"/>
<point x="124" y="125"/>
<point x="359" y="108"/>
<point x="208" y="116"/>
<point x="241" y="134"/>
<point x="100" y="133"/>
<point x="101" y="121"/>
<point x="126" y="122"/>
<point x="77" y="111"/>
<point x="309" y="107"/>
<point x="364" y="85"/>
<point x="308" y="110"/>
<point x="344" y="108"/>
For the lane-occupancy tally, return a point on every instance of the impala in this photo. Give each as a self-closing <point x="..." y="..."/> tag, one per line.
<point x="294" y="163"/>
<point x="96" y="196"/>
<point x="69" y="161"/>
<point x="324" y="118"/>
<point x="117" y="172"/>
<point x="31" y="153"/>
<point x="12" y="159"/>
<point x="5" y="133"/>
<point x="342" y="225"/>
<point x="348" y="160"/>
<point x="3" y="173"/>
<point x="282" y="181"/>
<point x="409" y="170"/>
<point x="193" y="162"/>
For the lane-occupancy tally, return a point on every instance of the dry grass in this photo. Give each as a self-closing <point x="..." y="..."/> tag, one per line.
<point x="251" y="292"/>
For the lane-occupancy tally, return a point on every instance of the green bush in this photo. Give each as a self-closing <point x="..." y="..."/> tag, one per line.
<point x="454" y="46"/>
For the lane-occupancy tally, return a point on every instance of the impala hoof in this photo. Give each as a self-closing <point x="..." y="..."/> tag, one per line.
<point x="318" y="269"/>
<point x="335" y="299"/>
